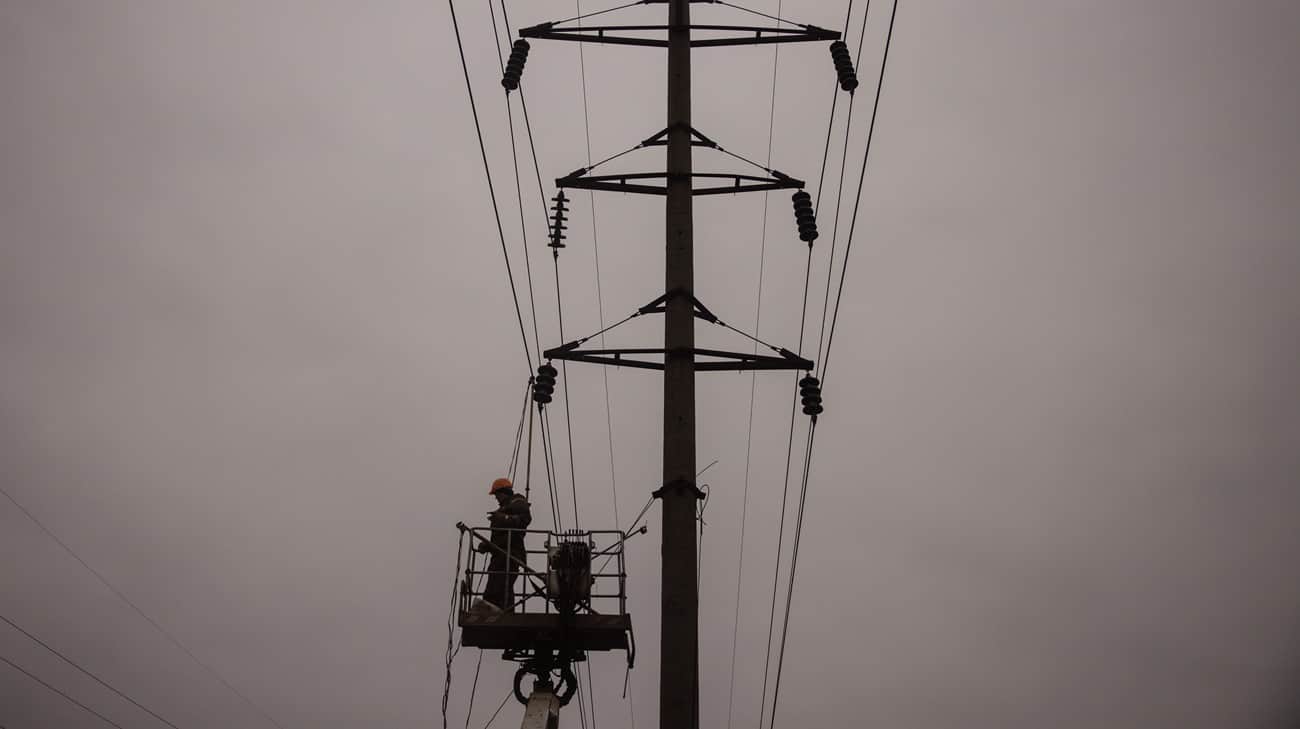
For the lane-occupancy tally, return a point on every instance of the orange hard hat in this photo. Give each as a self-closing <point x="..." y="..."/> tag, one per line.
<point x="500" y="483"/>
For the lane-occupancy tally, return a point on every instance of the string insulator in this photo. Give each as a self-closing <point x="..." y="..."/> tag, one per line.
<point x="515" y="65"/>
<point x="803" y="216"/>
<point x="544" y="384"/>
<point x="810" y="389"/>
<point x="558" y="219"/>
<point x="844" y="66"/>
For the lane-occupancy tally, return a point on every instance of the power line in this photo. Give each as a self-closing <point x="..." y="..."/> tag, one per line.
<point x="753" y="388"/>
<point x="79" y="667"/>
<point x="880" y="82"/>
<point x="580" y="16"/>
<point x="487" y="171"/>
<point x="794" y="561"/>
<point x="473" y="689"/>
<point x="600" y="310"/>
<point x="514" y="159"/>
<point x="812" y="429"/>
<point x="595" y="247"/>
<point x="500" y="706"/>
<point x="35" y="678"/>
<point x="839" y="192"/>
<point x="564" y="369"/>
<point x="794" y="404"/>
<point x="121" y="596"/>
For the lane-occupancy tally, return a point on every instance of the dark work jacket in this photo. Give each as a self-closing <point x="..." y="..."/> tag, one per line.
<point x="515" y="514"/>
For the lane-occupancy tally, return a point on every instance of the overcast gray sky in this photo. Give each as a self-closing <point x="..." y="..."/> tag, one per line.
<point x="259" y="356"/>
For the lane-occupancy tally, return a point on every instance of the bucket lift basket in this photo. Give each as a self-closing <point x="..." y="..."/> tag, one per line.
<point x="570" y="594"/>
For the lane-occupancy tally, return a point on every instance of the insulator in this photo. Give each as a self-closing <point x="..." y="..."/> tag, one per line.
<point x="804" y="217"/>
<point x="544" y="384"/>
<point x="844" y="66"/>
<point x="810" y="390"/>
<point x="515" y="65"/>
<point x="557" y="221"/>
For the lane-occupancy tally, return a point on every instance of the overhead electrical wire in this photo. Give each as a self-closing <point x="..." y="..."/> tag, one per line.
<point x="794" y="405"/>
<point x="812" y="429"/>
<point x="568" y="414"/>
<point x="37" y="679"/>
<point x="487" y="172"/>
<point x="453" y="647"/>
<point x="600" y="310"/>
<point x="473" y="689"/>
<point x="776" y="17"/>
<point x="595" y="248"/>
<point x="839" y="194"/>
<point x="580" y="16"/>
<point x="519" y="195"/>
<point x="564" y="370"/>
<point x="753" y="389"/>
<point x="519" y="435"/>
<point x="880" y="82"/>
<point x="87" y="672"/>
<point x="122" y="596"/>
<point x="500" y="706"/>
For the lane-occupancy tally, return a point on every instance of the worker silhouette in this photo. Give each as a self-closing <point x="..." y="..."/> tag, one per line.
<point x="507" y="551"/>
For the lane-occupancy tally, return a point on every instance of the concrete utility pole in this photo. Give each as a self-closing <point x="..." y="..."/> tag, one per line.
<point x="679" y="638"/>
<point x="679" y="684"/>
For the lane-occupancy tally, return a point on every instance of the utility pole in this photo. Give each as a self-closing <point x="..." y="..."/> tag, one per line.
<point x="679" y="684"/>
<point x="679" y="637"/>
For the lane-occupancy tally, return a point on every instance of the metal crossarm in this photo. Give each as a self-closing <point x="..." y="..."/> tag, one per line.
<point x="636" y="182"/>
<point x="620" y="183"/>
<point x="723" y="361"/>
<point x="720" y="360"/>
<point x="743" y="35"/>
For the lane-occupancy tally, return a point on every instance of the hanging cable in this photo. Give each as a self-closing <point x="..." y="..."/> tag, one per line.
<point x="753" y="388"/>
<point x="501" y="706"/>
<point x="580" y="16"/>
<point x="519" y="195"/>
<point x="812" y="428"/>
<point x="591" y="695"/>
<point x="452" y="648"/>
<point x="487" y="171"/>
<point x="473" y="689"/>
<point x="794" y="563"/>
<point x="528" y="463"/>
<point x="568" y="414"/>
<point x="776" y="17"/>
<point x="880" y="82"/>
<point x="563" y="365"/>
<point x="699" y="551"/>
<point x="35" y="678"/>
<point x="839" y="194"/>
<point x="519" y="434"/>
<point x="548" y="458"/>
<point x="154" y="623"/>
<point x="789" y="449"/>
<point x="595" y="248"/>
<point x="78" y="666"/>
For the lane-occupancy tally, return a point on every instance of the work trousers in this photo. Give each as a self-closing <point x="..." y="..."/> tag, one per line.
<point x="500" y="589"/>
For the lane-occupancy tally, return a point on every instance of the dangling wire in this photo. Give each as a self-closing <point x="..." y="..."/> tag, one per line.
<point x="519" y="434"/>
<point x="580" y="16"/>
<point x="452" y="645"/>
<point x="794" y="406"/>
<point x="812" y="428"/>
<point x="848" y="246"/>
<point x="473" y="689"/>
<point x="496" y="212"/>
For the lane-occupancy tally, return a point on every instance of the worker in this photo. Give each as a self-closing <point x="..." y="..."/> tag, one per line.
<point x="508" y="555"/>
